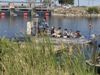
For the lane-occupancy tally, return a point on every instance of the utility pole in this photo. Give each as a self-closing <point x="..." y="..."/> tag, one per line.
<point x="78" y="3"/>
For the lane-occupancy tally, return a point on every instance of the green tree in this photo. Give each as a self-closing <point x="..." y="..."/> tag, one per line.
<point x="93" y="10"/>
<point x="66" y="2"/>
<point x="47" y="2"/>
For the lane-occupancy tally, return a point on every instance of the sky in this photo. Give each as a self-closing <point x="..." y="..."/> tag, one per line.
<point x="88" y="2"/>
<point x="82" y="2"/>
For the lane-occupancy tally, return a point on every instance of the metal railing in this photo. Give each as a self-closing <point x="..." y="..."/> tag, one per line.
<point x="23" y="4"/>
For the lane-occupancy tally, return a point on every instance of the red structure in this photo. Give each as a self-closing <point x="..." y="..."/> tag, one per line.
<point x="46" y="15"/>
<point x="25" y="14"/>
<point x="2" y="14"/>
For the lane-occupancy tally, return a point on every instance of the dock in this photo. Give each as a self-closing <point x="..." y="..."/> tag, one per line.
<point x="23" y="8"/>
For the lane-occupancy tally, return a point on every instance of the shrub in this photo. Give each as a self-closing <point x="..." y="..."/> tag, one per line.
<point x="93" y="10"/>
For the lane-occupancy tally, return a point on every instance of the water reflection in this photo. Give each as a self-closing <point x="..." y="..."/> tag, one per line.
<point x="2" y="17"/>
<point x="12" y="26"/>
<point x="11" y="21"/>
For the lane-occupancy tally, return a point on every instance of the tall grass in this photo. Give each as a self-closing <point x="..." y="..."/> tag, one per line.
<point x="38" y="57"/>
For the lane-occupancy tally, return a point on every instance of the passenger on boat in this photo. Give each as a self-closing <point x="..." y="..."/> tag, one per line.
<point x="93" y="39"/>
<point x="77" y="34"/>
<point x="59" y="32"/>
<point x="73" y="35"/>
<point x="52" y="30"/>
<point x="93" y="36"/>
<point x="70" y="33"/>
<point x="65" y="33"/>
<point x="56" y="32"/>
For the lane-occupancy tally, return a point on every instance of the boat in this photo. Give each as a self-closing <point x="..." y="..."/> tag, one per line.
<point x="95" y="66"/>
<point x="69" y="40"/>
<point x="94" y="62"/>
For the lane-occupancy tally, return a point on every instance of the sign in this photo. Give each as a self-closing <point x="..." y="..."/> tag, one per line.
<point x="29" y="27"/>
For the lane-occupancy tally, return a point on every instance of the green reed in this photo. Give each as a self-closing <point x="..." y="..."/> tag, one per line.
<point x="40" y="57"/>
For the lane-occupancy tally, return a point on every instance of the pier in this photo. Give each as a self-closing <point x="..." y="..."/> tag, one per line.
<point x="23" y="8"/>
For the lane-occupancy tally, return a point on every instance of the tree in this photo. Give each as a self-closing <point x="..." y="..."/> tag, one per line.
<point x="46" y="2"/>
<point x="93" y="10"/>
<point x="66" y="2"/>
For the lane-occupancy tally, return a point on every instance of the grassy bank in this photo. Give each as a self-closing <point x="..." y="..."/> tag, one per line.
<point x="34" y="57"/>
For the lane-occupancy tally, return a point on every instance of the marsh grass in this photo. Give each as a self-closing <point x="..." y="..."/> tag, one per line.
<point x="37" y="57"/>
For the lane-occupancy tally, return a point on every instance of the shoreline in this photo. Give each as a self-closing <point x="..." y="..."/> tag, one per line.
<point x="74" y="15"/>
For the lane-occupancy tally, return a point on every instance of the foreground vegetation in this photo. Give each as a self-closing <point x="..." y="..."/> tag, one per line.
<point x="33" y="57"/>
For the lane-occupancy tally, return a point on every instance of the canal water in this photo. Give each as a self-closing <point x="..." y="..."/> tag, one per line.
<point x="16" y="26"/>
<point x="86" y="26"/>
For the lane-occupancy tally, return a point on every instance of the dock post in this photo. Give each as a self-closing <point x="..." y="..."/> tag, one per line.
<point x="37" y="26"/>
<point x="29" y="26"/>
<point x="35" y="23"/>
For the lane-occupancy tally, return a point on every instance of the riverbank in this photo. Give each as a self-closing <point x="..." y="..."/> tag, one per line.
<point x="74" y="12"/>
<point x="74" y="15"/>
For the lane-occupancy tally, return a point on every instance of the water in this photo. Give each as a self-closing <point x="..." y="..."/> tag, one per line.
<point x="12" y="26"/>
<point x="81" y="24"/>
<point x="16" y="26"/>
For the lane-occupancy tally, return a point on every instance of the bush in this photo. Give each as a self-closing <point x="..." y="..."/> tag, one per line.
<point x="93" y="10"/>
<point x="66" y="2"/>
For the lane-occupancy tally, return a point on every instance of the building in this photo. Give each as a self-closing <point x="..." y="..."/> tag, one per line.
<point x="26" y="3"/>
